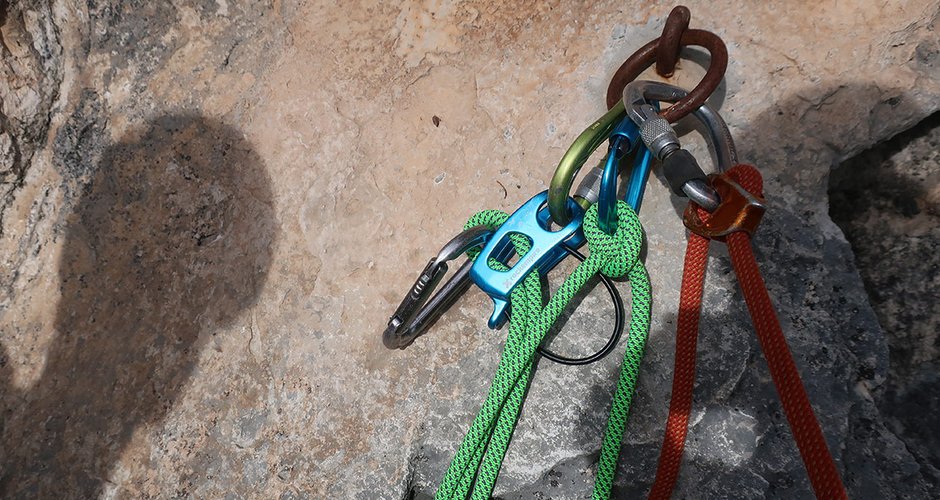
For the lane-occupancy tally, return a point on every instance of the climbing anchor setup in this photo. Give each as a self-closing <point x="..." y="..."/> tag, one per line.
<point x="509" y="254"/>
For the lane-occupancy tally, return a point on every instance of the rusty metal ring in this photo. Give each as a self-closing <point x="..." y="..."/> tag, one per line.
<point x="668" y="52"/>
<point x="646" y="56"/>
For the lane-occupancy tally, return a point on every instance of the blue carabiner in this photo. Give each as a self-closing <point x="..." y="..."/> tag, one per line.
<point x="621" y="143"/>
<point x="530" y="220"/>
<point x="624" y="138"/>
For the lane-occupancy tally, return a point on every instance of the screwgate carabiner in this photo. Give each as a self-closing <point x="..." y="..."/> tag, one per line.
<point x="662" y="141"/>
<point x="640" y="92"/>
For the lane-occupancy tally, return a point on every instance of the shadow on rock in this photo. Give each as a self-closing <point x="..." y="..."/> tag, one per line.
<point x="882" y="200"/>
<point x="834" y="337"/>
<point x="170" y="240"/>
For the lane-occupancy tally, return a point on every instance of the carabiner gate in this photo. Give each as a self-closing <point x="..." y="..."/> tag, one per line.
<point x="413" y="317"/>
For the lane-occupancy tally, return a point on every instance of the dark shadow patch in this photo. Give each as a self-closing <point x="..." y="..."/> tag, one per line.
<point x="170" y="240"/>
<point x="880" y="199"/>
<point x="4" y="7"/>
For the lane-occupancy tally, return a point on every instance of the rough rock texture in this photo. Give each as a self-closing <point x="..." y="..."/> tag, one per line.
<point x="887" y="202"/>
<point x="210" y="209"/>
<point x="31" y="66"/>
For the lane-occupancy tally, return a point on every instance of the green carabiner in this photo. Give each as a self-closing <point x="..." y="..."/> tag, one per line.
<point x="580" y="150"/>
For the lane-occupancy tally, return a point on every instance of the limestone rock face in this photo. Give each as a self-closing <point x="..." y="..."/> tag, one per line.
<point x="210" y="209"/>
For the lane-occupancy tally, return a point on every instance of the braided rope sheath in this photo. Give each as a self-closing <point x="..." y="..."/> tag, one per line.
<point x="820" y="467"/>
<point x="629" y="373"/>
<point x="683" y="379"/>
<point x="460" y="475"/>
<point x="478" y="460"/>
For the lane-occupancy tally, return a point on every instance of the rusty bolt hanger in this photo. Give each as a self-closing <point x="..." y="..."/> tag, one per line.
<point x="664" y="51"/>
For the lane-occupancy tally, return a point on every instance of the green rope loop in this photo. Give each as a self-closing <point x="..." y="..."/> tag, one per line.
<point x="620" y="250"/>
<point x="478" y="459"/>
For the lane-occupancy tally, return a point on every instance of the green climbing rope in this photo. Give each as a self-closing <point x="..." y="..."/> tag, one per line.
<point x="476" y="464"/>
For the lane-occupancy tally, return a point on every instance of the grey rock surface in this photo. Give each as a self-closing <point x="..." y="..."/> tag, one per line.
<point x="209" y="210"/>
<point x="887" y="202"/>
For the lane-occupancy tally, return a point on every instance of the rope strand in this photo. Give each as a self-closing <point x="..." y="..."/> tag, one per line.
<point x="806" y="431"/>
<point x="478" y="459"/>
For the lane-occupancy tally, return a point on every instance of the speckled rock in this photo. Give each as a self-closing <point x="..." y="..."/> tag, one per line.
<point x="211" y="208"/>
<point x="887" y="202"/>
<point x="31" y="66"/>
